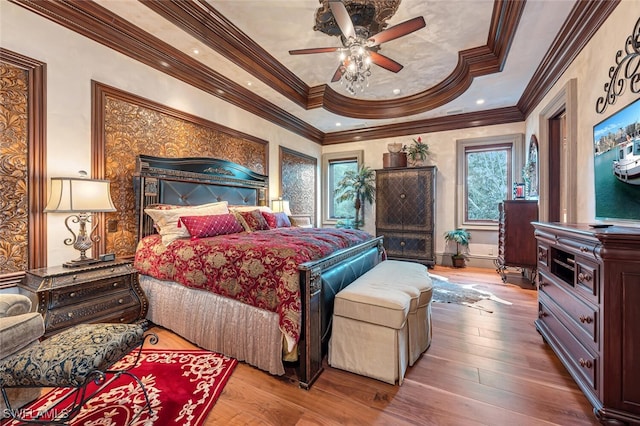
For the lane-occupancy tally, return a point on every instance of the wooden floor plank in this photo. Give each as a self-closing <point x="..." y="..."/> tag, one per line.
<point x="482" y="368"/>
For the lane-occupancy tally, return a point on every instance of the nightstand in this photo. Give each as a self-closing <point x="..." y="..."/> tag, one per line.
<point x="101" y="292"/>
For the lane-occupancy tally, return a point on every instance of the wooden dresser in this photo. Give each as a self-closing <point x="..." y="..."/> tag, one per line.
<point x="516" y="242"/>
<point x="405" y="210"/>
<point x="102" y="292"/>
<point x="589" y="312"/>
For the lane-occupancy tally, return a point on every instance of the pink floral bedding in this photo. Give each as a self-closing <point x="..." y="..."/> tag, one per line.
<point x="258" y="268"/>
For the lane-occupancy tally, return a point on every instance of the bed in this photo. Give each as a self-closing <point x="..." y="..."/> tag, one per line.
<point x="273" y="319"/>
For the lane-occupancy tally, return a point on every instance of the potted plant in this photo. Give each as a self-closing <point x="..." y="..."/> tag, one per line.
<point x="461" y="237"/>
<point x="418" y="152"/>
<point x="358" y="186"/>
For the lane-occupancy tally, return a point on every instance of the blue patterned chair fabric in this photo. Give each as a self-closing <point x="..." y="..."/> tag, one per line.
<point x="72" y="357"/>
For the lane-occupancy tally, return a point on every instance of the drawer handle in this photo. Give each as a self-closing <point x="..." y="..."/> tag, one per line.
<point x="582" y="277"/>
<point x="584" y="249"/>
<point x="403" y="196"/>
<point x="121" y="301"/>
<point x="542" y="284"/>
<point x="540" y="255"/>
<point x="542" y="314"/>
<point x="121" y="319"/>
<point x="586" y="319"/>
<point x="72" y="294"/>
<point x="402" y="244"/>
<point x="115" y="285"/>
<point x="70" y="314"/>
<point x="586" y="363"/>
<point x="74" y="277"/>
<point x="113" y="269"/>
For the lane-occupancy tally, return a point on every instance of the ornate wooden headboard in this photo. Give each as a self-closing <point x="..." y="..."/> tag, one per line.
<point x="192" y="181"/>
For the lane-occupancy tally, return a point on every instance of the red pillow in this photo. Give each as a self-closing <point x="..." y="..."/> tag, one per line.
<point x="254" y="221"/>
<point x="277" y="220"/>
<point x="212" y="225"/>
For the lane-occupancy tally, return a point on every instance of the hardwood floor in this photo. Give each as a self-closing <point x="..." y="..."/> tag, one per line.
<point x="482" y="368"/>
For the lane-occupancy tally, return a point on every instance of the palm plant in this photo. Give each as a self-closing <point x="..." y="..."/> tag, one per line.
<point x="357" y="185"/>
<point x="461" y="237"/>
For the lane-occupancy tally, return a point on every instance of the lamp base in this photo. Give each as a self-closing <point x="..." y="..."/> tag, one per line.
<point x="80" y="262"/>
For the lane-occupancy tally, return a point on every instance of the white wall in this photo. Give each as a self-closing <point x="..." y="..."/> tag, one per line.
<point x="591" y="71"/>
<point x="72" y="62"/>
<point x="443" y="147"/>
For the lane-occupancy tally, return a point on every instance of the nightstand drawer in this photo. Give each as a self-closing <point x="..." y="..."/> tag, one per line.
<point x="75" y="294"/>
<point x="92" y="311"/>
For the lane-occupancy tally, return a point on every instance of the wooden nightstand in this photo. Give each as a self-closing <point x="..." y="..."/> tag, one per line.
<point x="102" y="292"/>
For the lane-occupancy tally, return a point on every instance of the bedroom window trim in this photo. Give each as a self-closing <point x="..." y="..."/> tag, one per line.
<point x="512" y="142"/>
<point x="327" y="193"/>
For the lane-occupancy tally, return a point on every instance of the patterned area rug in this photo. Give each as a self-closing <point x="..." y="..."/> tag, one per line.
<point x="462" y="294"/>
<point x="182" y="385"/>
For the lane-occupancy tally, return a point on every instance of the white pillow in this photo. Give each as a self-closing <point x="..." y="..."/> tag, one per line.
<point x="167" y="218"/>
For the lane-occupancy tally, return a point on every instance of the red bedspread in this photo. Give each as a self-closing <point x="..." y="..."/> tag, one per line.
<point x="258" y="268"/>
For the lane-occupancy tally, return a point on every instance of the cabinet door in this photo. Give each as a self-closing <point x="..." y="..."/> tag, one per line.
<point x="405" y="200"/>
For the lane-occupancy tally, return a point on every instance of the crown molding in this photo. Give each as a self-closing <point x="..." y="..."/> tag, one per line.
<point x="585" y="19"/>
<point x="202" y="21"/>
<point x="101" y="25"/>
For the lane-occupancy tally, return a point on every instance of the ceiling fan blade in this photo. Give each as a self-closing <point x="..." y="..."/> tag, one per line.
<point x="342" y="18"/>
<point x="313" y="50"/>
<point x="399" y="30"/>
<point x="337" y="75"/>
<point x="384" y="62"/>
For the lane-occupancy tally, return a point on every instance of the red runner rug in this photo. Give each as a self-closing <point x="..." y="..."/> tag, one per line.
<point x="182" y="386"/>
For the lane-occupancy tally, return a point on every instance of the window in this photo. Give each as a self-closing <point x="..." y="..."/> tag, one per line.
<point x="487" y="170"/>
<point x="334" y="166"/>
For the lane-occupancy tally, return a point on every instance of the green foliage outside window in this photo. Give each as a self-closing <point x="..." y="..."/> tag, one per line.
<point x="340" y="209"/>
<point x="487" y="183"/>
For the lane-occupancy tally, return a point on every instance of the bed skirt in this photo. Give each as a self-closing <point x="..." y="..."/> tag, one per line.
<point x="216" y="323"/>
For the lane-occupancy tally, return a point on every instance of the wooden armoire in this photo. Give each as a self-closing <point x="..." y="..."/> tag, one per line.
<point x="405" y="212"/>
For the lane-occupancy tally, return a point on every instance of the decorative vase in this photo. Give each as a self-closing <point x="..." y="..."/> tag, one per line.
<point x="394" y="147"/>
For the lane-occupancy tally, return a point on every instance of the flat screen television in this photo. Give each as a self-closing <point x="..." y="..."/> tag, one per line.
<point x="617" y="165"/>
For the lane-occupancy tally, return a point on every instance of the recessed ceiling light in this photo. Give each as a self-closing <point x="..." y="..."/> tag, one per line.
<point x="249" y="83"/>
<point x="480" y="101"/>
<point x="338" y="124"/>
<point x="396" y="91"/>
<point x="195" y="51"/>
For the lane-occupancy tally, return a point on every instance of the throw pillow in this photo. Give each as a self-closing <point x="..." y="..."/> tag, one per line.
<point x="211" y="225"/>
<point x="252" y="221"/>
<point x="277" y="220"/>
<point x="167" y="218"/>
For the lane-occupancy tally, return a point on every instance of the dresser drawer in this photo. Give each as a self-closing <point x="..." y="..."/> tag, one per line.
<point x="91" y="311"/>
<point x="577" y="315"/>
<point x="78" y="293"/>
<point x="70" y="277"/>
<point x="587" y="279"/>
<point x="574" y="355"/>
<point x="408" y="245"/>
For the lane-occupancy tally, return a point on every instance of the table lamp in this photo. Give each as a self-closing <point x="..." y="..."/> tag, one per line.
<point x="82" y="197"/>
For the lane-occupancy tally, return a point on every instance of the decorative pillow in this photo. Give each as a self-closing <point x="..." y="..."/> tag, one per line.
<point x="167" y="218"/>
<point x="277" y="220"/>
<point x="249" y="208"/>
<point x="212" y="225"/>
<point x="252" y="221"/>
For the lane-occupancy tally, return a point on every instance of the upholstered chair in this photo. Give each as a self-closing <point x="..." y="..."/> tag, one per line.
<point x="19" y="328"/>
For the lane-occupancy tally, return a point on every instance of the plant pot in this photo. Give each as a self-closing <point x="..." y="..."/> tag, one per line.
<point x="458" y="261"/>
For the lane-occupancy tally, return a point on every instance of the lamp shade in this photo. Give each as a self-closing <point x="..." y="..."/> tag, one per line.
<point x="281" y="205"/>
<point x="78" y="195"/>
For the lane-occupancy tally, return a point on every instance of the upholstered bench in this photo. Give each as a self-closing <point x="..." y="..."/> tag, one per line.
<point x="382" y="321"/>
<point x="72" y="358"/>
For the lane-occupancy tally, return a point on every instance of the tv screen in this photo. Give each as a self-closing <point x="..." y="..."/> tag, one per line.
<point x="617" y="165"/>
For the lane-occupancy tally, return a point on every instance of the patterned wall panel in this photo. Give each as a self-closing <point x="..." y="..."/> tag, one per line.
<point x="298" y="182"/>
<point x="133" y="126"/>
<point x="14" y="208"/>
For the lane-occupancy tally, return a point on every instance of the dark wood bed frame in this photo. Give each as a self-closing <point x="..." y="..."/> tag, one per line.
<point x="194" y="181"/>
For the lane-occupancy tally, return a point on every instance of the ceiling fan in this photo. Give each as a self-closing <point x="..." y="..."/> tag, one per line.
<point x="359" y="50"/>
